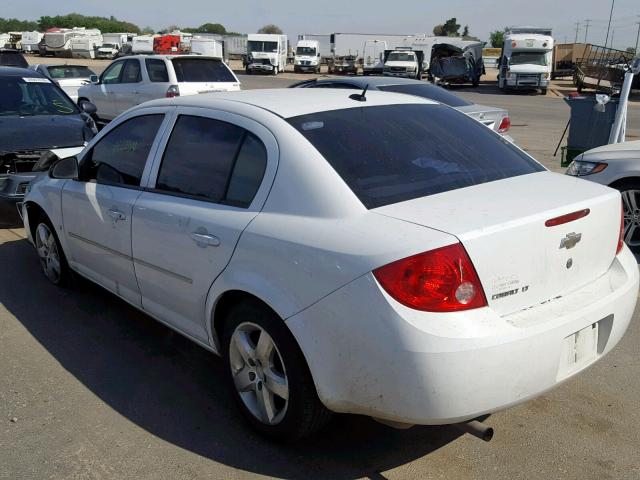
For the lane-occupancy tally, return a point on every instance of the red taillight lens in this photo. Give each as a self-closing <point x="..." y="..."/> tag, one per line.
<point x="440" y="280"/>
<point x="173" y="91"/>
<point x="621" y="235"/>
<point x="505" y="125"/>
<point x="569" y="217"/>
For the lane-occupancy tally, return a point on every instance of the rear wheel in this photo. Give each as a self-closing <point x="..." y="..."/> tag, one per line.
<point x="275" y="70"/>
<point x="630" y="191"/>
<point x="52" y="259"/>
<point x="543" y="91"/>
<point x="268" y="374"/>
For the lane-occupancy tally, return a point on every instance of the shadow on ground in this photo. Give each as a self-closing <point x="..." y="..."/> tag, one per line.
<point x="173" y="388"/>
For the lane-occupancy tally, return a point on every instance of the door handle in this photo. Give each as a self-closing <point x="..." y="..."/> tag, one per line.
<point x="205" y="239"/>
<point x="117" y="214"/>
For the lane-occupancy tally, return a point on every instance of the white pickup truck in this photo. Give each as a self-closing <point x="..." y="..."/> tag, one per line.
<point x="403" y="62"/>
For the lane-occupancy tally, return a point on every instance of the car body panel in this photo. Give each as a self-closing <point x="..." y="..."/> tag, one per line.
<point x="622" y="159"/>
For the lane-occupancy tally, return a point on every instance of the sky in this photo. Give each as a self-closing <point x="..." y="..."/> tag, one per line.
<point x="359" y="16"/>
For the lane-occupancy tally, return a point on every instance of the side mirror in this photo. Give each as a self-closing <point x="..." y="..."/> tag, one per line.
<point x="88" y="107"/>
<point x="94" y="79"/>
<point x="65" y="169"/>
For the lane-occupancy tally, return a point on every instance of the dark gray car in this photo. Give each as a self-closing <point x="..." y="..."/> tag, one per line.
<point x="493" y="117"/>
<point x="36" y="117"/>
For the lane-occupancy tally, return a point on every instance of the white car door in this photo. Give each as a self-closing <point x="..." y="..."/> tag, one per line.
<point x="97" y="207"/>
<point x="210" y="182"/>
<point x="103" y="94"/>
<point x="127" y="92"/>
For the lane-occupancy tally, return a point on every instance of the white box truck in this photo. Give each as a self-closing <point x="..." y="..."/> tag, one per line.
<point x="307" y="56"/>
<point x="526" y="60"/>
<point x="30" y="41"/>
<point x="324" y="43"/>
<point x="112" y="44"/>
<point x="85" y="44"/>
<point x="266" y="53"/>
<point x="207" y="46"/>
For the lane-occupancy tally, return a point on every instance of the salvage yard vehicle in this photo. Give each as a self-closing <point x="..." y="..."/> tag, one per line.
<point x="36" y="116"/>
<point x="30" y="41"/>
<point x="373" y="57"/>
<point x="526" y="60"/>
<point x="266" y="53"/>
<point x="10" y="57"/>
<point x="307" y="57"/>
<point x="130" y="81"/>
<point x="618" y="166"/>
<point x="346" y="65"/>
<point x="112" y="44"/>
<point x="493" y="117"/>
<point x="403" y="62"/>
<point x="434" y="284"/>
<point x="69" y="77"/>
<point x="456" y="62"/>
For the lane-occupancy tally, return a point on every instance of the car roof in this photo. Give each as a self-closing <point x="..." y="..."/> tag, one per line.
<point x="167" y="56"/>
<point x="287" y="103"/>
<point x="19" y="72"/>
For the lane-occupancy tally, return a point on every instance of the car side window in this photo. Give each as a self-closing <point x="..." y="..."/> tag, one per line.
<point x="212" y="160"/>
<point x="157" y="70"/>
<point x="131" y="72"/>
<point x="120" y="156"/>
<point x="112" y="73"/>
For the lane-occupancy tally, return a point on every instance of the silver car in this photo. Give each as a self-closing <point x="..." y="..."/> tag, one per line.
<point x="618" y="166"/>
<point x="68" y="77"/>
<point x="493" y="117"/>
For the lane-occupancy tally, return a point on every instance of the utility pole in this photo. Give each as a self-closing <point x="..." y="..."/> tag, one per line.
<point x="613" y="2"/>
<point x="637" y="36"/>
<point x="586" y="29"/>
<point x="577" y="29"/>
<point x="613" y="32"/>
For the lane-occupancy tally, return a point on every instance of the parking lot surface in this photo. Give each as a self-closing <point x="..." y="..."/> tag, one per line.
<point x="92" y="388"/>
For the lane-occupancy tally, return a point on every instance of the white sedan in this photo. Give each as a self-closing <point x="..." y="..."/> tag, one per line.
<point x="382" y="255"/>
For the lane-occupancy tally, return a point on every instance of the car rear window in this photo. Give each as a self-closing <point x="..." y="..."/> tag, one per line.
<point x="201" y="70"/>
<point x="431" y="92"/>
<point x="13" y="59"/>
<point x="393" y="153"/>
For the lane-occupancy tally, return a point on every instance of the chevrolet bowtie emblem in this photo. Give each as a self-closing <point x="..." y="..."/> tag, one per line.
<point x="571" y="240"/>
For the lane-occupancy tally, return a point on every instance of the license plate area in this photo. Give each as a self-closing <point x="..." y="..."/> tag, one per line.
<point x="579" y="350"/>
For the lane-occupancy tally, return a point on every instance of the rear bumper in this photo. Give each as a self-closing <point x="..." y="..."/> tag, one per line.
<point x="370" y="355"/>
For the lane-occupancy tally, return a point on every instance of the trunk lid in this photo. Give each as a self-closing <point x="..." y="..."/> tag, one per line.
<point x="520" y="261"/>
<point x="489" y="116"/>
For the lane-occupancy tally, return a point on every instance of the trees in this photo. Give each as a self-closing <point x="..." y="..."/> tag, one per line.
<point x="497" y="37"/>
<point x="271" y="28"/>
<point x="216" y="28"/>
<point x="111" y="24"/>
<point x="15" y="25"/>
<point x="448" y="29"/>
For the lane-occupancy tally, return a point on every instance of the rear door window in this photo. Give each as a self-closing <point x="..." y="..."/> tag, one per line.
<point x="212" y="160"/>
<point x="201" y="70"/>
<point x="131" y="72"/>
<point x="393" y="153"/>
<point x="157" y="70"/>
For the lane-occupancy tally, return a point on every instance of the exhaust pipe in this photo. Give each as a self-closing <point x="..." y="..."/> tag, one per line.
<point x="477" y="429"/>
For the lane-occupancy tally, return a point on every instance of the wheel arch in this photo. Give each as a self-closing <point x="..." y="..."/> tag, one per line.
<point x="621" y="181"/>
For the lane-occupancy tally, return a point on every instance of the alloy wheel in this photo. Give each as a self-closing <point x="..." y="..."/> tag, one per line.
<point x="258" y="373"/>
<point x="48" y="253"/>
<point x="631" y="212"/>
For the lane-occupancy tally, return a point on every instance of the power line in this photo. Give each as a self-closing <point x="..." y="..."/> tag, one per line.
<point x="577" y="29"/>
<point x="586" y="29"/>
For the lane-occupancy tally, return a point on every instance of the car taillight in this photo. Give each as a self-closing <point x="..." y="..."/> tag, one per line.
<point x="621" y="234"/>
<point x="505" y="125"/>
<point x="440" y="280"/>
<point x="173" y="91"/>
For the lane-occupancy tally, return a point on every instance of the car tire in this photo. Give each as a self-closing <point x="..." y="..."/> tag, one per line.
<point x="52" y="258"/>
<point x="628" y="188"/>
<point x="275" y="70"/>
<point x="262" y="401"/>
<point x="543" y="91"/>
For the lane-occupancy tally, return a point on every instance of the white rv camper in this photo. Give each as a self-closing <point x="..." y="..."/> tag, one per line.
<point x="207" y="46"/>
<point x="142" y="44"/>
<point x="58" y="42"/>
<point x="86" y="43"/>
<point x="526" y="60"/>
<point x="30" y="41"/>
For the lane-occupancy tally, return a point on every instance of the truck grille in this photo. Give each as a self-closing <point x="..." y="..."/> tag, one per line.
<point x="397" y="69"/>
<point x="532" y="79"/>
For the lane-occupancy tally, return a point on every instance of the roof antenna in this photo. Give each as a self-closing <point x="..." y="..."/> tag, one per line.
<point x="360" y="97"/>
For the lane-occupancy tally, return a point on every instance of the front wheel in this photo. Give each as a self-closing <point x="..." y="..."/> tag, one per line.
<point x="543" y="91"/>
<point x="275" y="70"/>
<point x="268" y="374"/>
<point x="52" y="260"/>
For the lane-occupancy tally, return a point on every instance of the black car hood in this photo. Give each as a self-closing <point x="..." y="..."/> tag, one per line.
<point x="40" y="132"/>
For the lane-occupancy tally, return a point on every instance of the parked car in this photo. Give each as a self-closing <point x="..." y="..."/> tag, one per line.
<point x="618" y="166"/>
<point x="130" y="81"/>
<point x="382" y="255"/>
<point x="37" y="121"/>
<point x="69" y="77"/>
<point x="10" y="57"/>
<point x="493" y="117"/>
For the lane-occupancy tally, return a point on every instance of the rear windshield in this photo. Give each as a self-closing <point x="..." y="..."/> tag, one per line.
<point x="13" y="59"/>
<point x="69" y="71"/>
<point x="431" y="92"/>
<point x="393" y="153"/>
<point x="29" y="96"/>
<point x="201" y="70"/>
